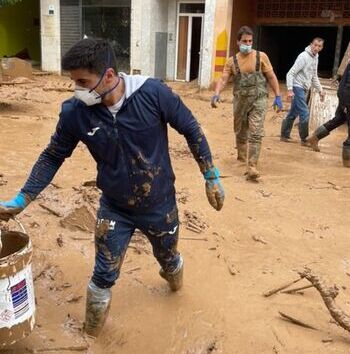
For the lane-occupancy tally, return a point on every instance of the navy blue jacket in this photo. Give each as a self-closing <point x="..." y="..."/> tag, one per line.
<point x="131" y="150"/>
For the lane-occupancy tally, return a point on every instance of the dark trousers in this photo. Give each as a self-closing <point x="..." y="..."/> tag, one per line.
<point x="338" y="120"/>
<point x="347" y="141"/>
<point x="342" y="115"/>
<point x="114" y="230"/>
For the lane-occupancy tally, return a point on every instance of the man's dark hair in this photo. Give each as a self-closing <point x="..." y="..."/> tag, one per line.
<point x="318" y="39"/>
<point x="95" y="55"/>
<point x="244" y="30"/>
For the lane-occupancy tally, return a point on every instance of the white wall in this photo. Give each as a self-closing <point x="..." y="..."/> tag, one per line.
<point x="171" y="53"/>
<point x="50" y="36"/>
<point x="205" y="71"/>
<point x="208" y="44"/>
<point x="147" y="18"/>
<point x="159" y="23"/>
<point x="135" y="35"/>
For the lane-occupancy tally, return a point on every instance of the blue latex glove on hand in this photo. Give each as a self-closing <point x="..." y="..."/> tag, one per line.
<point x="277" y="104"/>
<point x="14" y="206"/>
<point x="215" y="100"/>
<point x="214" y="189"/>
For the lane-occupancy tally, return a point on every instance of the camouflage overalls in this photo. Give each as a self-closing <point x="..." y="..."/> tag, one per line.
<point x="249" y="109"/>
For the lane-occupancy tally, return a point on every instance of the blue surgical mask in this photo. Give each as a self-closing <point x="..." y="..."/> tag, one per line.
<point x="245" y="49"/>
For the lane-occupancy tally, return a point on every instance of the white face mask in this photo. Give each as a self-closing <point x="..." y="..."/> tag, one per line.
<point x="87" y="96"/>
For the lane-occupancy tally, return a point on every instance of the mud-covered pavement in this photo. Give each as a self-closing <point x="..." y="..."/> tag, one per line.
<point x="296" y="216"/>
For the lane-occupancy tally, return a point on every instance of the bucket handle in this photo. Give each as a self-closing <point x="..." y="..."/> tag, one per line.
<point x="20" y="225"/>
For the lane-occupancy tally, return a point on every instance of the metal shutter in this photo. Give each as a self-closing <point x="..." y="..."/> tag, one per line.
<point x="70" y="23"/>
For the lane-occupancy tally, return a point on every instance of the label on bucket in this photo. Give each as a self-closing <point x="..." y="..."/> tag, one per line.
<point x="17" y="302"/>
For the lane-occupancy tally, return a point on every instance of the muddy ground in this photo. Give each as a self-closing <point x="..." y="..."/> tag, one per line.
<point x="296" y="216"/>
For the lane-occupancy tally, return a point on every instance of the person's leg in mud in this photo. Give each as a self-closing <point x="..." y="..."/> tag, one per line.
<point x="240" y="127"/>
<point x="346" y="144"/>
<point x="256" y="118"/>
<point x="323" y="130"/>
<point x="242" y="141"/>
<point x="303" y="110"/>
<point x="339" y="119"/>
<point x="288" y="121"/>
<point x="162" y="230"/>
<point x="112" y="237"/>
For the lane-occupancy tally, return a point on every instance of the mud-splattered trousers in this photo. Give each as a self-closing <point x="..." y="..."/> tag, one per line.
<point x="134" y="170"/>
<point x="249" y="110"/>
<point x="115" y="228"/>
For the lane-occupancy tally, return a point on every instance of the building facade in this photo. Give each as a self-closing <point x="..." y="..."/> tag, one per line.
<point x="284" y="28"/>
<point x="190" y="40"/>
<point x="169" y="39"/>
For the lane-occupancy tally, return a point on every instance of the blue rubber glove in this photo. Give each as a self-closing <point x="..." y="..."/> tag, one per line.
<point x="14" y="206"/>
<point x="277" y="104"/>
<point x="215" y="100"/>
<point x="214" y="189"/>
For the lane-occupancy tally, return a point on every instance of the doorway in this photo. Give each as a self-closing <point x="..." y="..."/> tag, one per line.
<point x="189" y="40"/>
<point x="20" y="31"/>
<point x="284" y="43"/>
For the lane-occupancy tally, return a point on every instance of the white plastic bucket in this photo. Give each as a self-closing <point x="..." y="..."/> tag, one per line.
<point x="17" y="301"/>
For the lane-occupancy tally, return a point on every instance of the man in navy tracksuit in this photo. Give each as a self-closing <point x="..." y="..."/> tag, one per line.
<point x="123" y="121"/>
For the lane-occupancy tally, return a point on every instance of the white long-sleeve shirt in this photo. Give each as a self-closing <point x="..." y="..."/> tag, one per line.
<point x="304" y="72"/>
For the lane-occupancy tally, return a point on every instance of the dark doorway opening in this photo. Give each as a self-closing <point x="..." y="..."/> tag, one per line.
<point x="284" y="43"/>
<point x="20" y="31"/>
<point x="195" y="47"/>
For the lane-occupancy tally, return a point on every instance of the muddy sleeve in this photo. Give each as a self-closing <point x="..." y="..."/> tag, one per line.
<point x="50" y="160"/>
<point x="174" y="112"/>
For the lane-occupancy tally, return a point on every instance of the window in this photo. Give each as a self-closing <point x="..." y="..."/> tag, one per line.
<point x="192" y="8"/>
<point x="303" y="8"/>
<point x="112" y="3"/>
